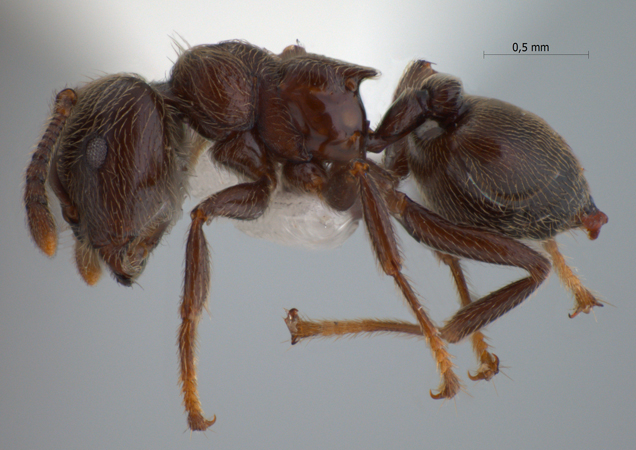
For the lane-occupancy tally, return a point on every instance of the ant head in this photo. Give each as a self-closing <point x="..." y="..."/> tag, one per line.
<point x="119" y="174"/>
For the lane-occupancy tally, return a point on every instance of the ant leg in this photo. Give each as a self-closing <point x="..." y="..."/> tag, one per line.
<point x="247" y="201"/>
<point x="478" y="245"/>
<point x="339" y="188"/>
<point x="371" y="184"/>
<point x="304" y="328"/>
<point x="489" y="363"/>
<point x="584" y="299"/>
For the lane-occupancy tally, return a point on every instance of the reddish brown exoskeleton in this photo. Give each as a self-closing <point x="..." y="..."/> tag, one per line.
<point x="486" y="165"/>
<point x="118" y="152"/>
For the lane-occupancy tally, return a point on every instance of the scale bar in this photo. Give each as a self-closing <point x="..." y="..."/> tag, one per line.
<point x="536" y="54"/>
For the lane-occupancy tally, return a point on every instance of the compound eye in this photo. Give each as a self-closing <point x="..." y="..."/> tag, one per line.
<point x="96" y="151"/>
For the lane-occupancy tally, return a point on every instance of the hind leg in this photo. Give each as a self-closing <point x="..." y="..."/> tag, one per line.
<point x="584" y="300"/>
<point x="489" y="362"/>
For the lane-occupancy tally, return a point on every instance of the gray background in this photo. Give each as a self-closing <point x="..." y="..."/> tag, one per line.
<point x="96" y="367"/>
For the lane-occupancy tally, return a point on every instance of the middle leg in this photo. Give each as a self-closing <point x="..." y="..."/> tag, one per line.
<point x="303" y="328"/>
<point x="341" y="187"/>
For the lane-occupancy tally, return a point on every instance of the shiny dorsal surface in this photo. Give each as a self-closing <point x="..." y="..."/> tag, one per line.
<point x="323" y="97"/>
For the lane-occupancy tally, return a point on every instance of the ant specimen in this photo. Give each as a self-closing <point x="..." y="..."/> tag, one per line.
<point x="118" y="153"/>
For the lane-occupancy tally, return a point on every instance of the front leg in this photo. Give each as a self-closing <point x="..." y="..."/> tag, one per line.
<point x="244" y="153"/>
